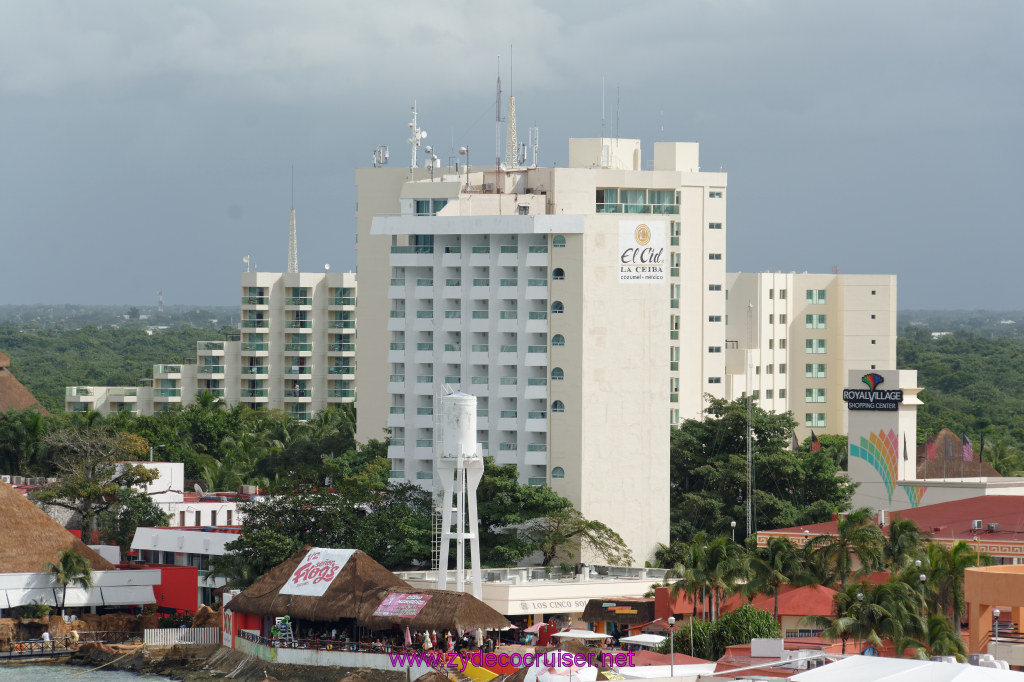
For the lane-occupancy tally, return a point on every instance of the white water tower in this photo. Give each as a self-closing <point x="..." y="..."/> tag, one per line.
<point x="459" y="464"/>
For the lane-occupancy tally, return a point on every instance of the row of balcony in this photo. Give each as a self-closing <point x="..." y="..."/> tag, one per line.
<point x="334" y="301"/>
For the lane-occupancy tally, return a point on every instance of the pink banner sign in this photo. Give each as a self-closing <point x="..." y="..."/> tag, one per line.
<point x="402" y="605"/>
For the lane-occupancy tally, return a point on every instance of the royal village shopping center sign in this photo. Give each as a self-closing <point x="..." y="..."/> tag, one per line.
<point x="317" y="571"/>
<point x="874" y="398"/>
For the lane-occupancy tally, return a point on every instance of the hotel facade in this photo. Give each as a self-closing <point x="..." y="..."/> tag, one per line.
<point x="583" y="306"/>
<point x="295" y="352"/>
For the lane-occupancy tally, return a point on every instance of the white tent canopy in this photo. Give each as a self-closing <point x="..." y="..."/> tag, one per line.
<point x="580" y="634"/>
<point x="858" y="668"/>
<point x="643" y="640"/>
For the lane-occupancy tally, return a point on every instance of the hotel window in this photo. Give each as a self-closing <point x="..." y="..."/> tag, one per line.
<point x="872" y="342"/>
<point x="771" y="294"/>
<point x="814" y="395"/>
<point x="782" y="318"/>
<point x="557" y="308"/>
<point x="181" y="518"/>
<point x="557" y="340"/>
<point x="814" y="321"/>
<point x="771" y="344"/>
<point x="814" y="371"/>
<point x="558" y="406"/>
<point x="782" y="370"/>
<point x="199" y="518"/>
<point x="714" y="256"/>
<point x="782" y="344"/>
<point x="816" y="419"/>
<point x="714" y="318"/>
<point x="814" y="345"/>
<point x="767" y="394"/>
<point x="714" y="349"/>
<point x="769" y="369"/>
<point x="782" y="393"/>
<point x="557" y="374"/>
<point x="558" y="241"/>
<point x="771" y="319"/>
<point x="229" y="517"/>
<point x="718" y="287"/>
<point x="558" y="472"/>
<point x="714" y="380"/>
<point x="815" y="296"/>
<point x="674" y="228"/>
<point x="714" y="195"/>
<point x="782" y="294"/>
<point x="213" y="517"/>
<point x="714" y="226"/>
<point x="558" y="273"/>
<point x="755" y="394"/>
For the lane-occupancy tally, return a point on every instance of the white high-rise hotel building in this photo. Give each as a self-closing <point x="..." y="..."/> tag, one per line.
<point x="584" y="306"/>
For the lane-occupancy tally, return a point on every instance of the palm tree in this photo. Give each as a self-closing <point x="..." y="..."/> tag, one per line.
<point x="71" y="569"/>
<point x="946" y="586"/>
<point x="856" y="537"/>
<point x="725" y="567"/>
<point x="771" y="567"/>
<point x="904" y="543"/>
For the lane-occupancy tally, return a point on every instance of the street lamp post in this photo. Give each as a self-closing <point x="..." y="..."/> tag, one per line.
<point x="672" y="648"/>
<point x="732" y="524"/>
<point x="995" y="637"/>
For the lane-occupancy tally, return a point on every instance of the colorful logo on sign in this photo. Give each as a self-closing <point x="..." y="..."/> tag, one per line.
<point x="873" y="380"/>
<point x="642" y="235"/>
<point x="880" y="450"/>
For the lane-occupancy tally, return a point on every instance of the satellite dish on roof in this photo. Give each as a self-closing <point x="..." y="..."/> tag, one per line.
<point x="198" y="488"/>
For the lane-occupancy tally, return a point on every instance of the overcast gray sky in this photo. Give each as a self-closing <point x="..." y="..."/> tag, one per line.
<point x="148" y="145"/>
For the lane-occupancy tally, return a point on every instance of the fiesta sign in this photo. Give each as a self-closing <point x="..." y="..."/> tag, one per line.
<point x="874" y="398"/>
<point x="317" y="571"/>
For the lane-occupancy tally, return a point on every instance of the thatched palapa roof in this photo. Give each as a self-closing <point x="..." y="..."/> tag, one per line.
<point x="13" y="394"/>
<point x="31" y="539"/>
<point x="360" y="580"/>
<point x="444" y="610"/>
<point x="623" y="611"/>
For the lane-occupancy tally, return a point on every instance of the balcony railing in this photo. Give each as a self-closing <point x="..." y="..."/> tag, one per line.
<point x="255" y="369"/>
<point x="298" y="347"/>
<point x="509" y="349"/>
<point x="341" y="324"/>
<point x="412" y="249"/>
<point x="508" y="314"/>
<point x="508" y="381"/>
<point x="541" y="248"/>
<point x="509" y="248"/>
<point x="537" y="447"/>
<point x="254" y="346"/>
<point x="341" y="347"/>
<point x="424" y="314"/>
<point x="397" y="409"/>
<point x="536" y="282"/>
<point x="255" y="324"/>
<point x="481" y="282"/>
<point x="296" y="393"/>
<point x="452" y="347"/>
<point x="479" y="348"/>
<point x="253" y="393"/>
<point x="210" y="369"/>
<point x="78" y="390"/>
<point x="508" y="282"/>
<point x="298" y="324"/>
<point x="341" y="300"/>
<point x="168" y="369"/>
<point x="397" y="346"/>
<point x="341" y="393"/>
<point x="481" y="249"/>
<point x="539" y="381"/>
<point x="425" y="411"/>
<point x="452" y="314"/>
<point x="397" y="313"/>
<point x="424" y="346"/>
<point x="538" y="314"/>
<point x="341" y="369"/>
<point x="424" y="282"/>
<point x="536" y="415"/>
<point x="298" y="300"/>
<point x="167" y="392"/>
<point x="509" y="414"/>
<point x="211" y="345"/>
<point x="536" y="349"/>
<point x="254" y="300"/>
<point x="453" y="282"/>
<point x="480" y="314"/>
<point x="396" y="379"/>
<point x="297" y="369"/>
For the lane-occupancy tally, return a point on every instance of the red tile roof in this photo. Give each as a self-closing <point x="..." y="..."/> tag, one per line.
<point x="947" y="522"/>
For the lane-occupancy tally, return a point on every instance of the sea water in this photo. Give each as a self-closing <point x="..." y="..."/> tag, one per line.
<point x="69" y="673"/>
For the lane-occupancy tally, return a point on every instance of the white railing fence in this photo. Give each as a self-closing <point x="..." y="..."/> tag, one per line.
<point x="182" y="636"/>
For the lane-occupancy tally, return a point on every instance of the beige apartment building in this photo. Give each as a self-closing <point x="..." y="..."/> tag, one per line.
<point x="583" y="305"/>
<point x="794" y="337"/>
<point x="295" y="352"/>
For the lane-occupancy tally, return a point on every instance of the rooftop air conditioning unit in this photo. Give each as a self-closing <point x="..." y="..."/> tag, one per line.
<point x="993" y="527"/>
<point x="5" y="478"/>
<point x="976" y="524"/>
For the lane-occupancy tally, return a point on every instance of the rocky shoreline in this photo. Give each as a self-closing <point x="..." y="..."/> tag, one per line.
<point x="194" y="663"/>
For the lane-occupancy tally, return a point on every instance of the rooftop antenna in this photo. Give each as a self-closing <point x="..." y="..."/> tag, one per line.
<point x="160" y="301"/>
<point x="293" y="246"/>
<point x="415" y="139"/>
<point x="497" y="130"/>
<point x="616" y="111"/>
<point x="246" y="260"/>
<point x="602" y="107"/>
<point x="535" y="142"/>
<point x="380" y="155"/>
<point x="511" y="139"/>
